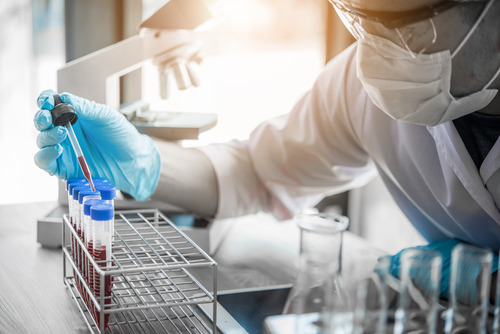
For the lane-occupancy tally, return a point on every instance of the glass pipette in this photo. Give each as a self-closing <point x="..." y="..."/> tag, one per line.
<point x="64" y="114"/>
<point x="79" y="155"/>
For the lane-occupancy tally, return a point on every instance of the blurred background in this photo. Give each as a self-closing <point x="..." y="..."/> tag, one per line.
<point x="261" y="56"/>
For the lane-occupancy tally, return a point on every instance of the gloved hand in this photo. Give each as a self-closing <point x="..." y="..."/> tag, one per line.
<point x="466" y="293"/>
<point x="113" y="147"/>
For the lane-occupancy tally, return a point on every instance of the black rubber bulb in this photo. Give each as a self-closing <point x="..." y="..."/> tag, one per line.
<point x="63" y="113"/>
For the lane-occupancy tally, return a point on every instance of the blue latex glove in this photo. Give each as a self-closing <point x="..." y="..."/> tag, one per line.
<point x="467" y="293"/>
<point x="113" y="147"/>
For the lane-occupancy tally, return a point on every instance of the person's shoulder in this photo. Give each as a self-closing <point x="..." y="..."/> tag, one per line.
<point x="341" y="70"/>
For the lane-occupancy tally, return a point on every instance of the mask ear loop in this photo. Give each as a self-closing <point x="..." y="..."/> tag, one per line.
<point x="474" y="27"/>
<point x="491" y="80"/>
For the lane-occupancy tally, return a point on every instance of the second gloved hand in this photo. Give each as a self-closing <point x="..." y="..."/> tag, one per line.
<point x="466" y="292"/>
<point x="113" y="147"/>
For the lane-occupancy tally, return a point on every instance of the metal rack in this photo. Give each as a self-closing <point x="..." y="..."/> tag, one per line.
<point x="152" y="289"/>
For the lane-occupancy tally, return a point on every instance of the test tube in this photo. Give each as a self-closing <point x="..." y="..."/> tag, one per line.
<point x="63" y="114"/>
<point x="420" y="275"/>
<point x="108" y="192"/>
<point x="84" y="196"/>
<point x="78" y="224"/>
<point x="378" y="308"/>
<point x="102" y="216"/>
<point x="73" y="180"/>
<point x="69" y="190"/>
<point x="87" y="204"/>
<point x="468" y="294"/>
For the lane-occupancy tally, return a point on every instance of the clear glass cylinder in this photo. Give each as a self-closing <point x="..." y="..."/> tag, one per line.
<point x="420" y="275"/>
<point x="320" y="251"/>
<point x="469" y="289"/>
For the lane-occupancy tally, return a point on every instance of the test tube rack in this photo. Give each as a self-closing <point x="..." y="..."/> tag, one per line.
<point x="152" y="288"/>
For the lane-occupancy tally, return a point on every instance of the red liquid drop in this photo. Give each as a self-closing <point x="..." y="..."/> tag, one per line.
<point x="100" y="255"/>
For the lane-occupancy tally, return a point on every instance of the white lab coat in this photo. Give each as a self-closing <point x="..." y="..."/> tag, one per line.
<point x="335" y="139"/>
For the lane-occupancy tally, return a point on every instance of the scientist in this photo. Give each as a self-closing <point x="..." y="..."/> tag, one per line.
<point x="414" y="100"/>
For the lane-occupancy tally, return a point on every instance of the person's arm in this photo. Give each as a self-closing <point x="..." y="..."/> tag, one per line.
<point x="293" y="161"/>
<point x="187" y="179"/>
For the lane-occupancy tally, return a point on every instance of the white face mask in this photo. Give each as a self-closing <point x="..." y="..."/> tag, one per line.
<point x="416" y="90"/>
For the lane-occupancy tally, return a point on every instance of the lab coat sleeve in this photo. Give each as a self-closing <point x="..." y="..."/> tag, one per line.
<point x="292" y="161"/>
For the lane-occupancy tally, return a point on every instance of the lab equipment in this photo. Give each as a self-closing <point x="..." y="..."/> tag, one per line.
<point x="83" y="197"/>
<point x="320" y="250"/>
<point x="108" y="192"/>
<point x="105" y="134"/>
<point x="63" y="114"/>
<point x="346" y="311"/>
<point x="469" y="289"/>
<point x="102" y="216"/>
<point x="176" y="56"/>
<point x="245" y="309"/>
<point x="78" y="224"/>
<point x="414" y="30"/>
<point x="418" y="307"/>
<point x="377" y="312"/>
<point x="445" y="248"/>
<point x="89" y="245"/>
<point x="151" y="285"/>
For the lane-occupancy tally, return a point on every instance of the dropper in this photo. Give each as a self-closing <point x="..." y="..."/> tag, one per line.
<point x="64" y="114"/>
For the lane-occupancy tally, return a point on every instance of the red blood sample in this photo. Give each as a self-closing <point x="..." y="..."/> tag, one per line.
<point x="84" y="270"/>
<point x="86" y="171"/>
<point x="73" y="249"/>
<point x="90" y="273"/>
<point x="79" y="259"/>
<point x="100" y="255"/>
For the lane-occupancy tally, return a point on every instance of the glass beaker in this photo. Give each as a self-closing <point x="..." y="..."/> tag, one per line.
<point x="320" y="252"/>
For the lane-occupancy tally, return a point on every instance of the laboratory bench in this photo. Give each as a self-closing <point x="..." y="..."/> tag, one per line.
<point x="34" y="299"/>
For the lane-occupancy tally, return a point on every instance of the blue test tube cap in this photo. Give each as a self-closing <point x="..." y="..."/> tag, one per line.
<point x="88" y="204"/>
<point x="74" y="181"/>
<point x="76" y="191"/>
<point x="100" y="180"/>
<point x="102" y="212"/>
<point x="76" y="184"/>
<point x="83" y="193"/>
<point x="108" y="191"/>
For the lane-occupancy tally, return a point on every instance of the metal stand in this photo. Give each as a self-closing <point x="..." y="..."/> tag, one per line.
<point x="152" y="290"/>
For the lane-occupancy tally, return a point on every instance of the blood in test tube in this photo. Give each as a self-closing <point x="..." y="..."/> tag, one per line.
<point x="102" y="216"/>
<point x="89" y="244"/>
<point x="73" y="212"/>
<point x="79" y="231"/>
<point x="83" y="197"/>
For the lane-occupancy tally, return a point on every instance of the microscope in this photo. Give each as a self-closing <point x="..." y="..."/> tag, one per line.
<point x="167" y="41"/>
